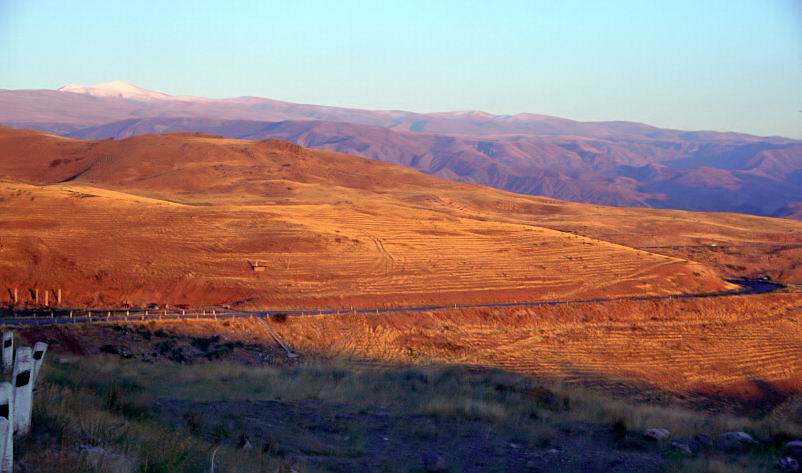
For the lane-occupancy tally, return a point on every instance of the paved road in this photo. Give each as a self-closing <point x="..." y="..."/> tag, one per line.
<point x="776" y="246"/>
<point x="84" y="316"/>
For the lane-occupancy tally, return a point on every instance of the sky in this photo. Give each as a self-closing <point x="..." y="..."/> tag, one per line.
<point x="731" y="65"/>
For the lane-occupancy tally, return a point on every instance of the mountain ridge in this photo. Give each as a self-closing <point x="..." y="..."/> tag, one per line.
<point x="458" y="122"/>
<point x="654" y="174"/>
<point x="611" y="163"/>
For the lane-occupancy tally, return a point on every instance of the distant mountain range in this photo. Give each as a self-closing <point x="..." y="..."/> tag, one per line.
<point x="612" y="163"/>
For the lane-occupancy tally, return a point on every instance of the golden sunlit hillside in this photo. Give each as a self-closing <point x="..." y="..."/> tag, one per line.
<point x="269" y="224"/>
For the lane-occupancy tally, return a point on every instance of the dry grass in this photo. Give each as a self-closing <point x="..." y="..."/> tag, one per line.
<point x="745" y="347"/>
<point x="107" y="403"/>
<point x="743" y="350"/>
<point x="332" y="231"/>
<point x="89" y="408"/>
<point x="377" y="251"/>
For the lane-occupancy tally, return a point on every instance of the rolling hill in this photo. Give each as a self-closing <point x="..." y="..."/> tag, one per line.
<point x="331" y="229"/>
<point x="610" y="163"/>
<point x="754" y="178"/>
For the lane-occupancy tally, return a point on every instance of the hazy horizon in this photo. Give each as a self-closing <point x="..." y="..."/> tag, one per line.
<point x="724" y="66"/>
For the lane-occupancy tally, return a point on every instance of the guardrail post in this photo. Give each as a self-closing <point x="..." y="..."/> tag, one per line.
<point x="16" y="296"/>
<point x="23" y="392"/>
<point x="6" y="427"/>
<point x="39" y="351"/>
<point x="58" y="297"/>
<point x="8" y="350"/>
<point x="47" y="297"/>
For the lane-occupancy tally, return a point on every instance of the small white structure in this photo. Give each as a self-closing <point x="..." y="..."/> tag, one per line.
<point x="6" y="428"/>
<point x="16" y="397"/>
<point x="39" y="350"/>
<point x="23" y="390"/>
<point x="8" y="351"/>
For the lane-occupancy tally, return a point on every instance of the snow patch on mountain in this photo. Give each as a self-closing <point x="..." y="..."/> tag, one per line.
<point x="123" y="90"/>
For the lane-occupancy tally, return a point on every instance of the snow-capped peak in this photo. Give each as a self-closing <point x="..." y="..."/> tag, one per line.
<point x="120" y="89"/>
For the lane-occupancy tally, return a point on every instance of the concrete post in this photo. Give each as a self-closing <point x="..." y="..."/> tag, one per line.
<point x="39" y="351"/>
<point x="23" y="390"/>
<point x="6" y="427"/>
<point x="5" y="437"/>
<point x="8" y="351"/>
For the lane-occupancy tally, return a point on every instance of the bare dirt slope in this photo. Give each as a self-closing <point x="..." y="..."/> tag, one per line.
<point x="178" y="218"/>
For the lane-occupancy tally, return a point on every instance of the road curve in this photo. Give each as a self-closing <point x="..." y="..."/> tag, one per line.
<point x="88" y="316"/>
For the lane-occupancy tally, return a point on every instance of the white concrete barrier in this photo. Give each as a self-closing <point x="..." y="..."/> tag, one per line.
<point x="6" y="436"/>
<point x="6" y="427"/>
<point x="21" y="379"/>
<point x="8" y="350"/>
<point x="39" y="351"/>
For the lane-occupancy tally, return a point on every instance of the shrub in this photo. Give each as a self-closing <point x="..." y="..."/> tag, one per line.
<point x="278" y="317"/>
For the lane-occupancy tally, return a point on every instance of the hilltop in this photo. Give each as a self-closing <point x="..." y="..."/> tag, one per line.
<point x="332" y="230"/>
<point x="618" y="163"/>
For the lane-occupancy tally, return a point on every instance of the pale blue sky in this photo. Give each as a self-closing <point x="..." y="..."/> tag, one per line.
<point x="689" y="64"/>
